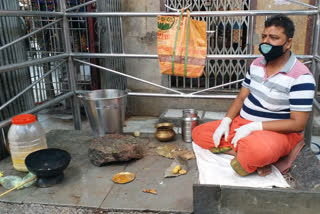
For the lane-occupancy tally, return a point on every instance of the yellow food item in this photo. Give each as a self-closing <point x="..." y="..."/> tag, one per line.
<point x="176" y="169"/>
<point x="152" y="191"/>
<point x="182" y="171"/>
<point x="1" y="174"/>
<point x="136" y="133"/>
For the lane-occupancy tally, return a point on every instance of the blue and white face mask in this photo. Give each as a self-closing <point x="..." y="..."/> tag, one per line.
<point x="271" y="52"/>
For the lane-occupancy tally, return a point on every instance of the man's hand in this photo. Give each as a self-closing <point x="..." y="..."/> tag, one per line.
<point x="245" y="130"/>
<point x="223" y="129"/>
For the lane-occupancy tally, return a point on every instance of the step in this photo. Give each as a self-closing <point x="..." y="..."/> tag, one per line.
<point x="175" y="115"/>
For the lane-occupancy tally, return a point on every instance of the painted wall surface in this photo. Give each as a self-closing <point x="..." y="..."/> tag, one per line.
<point x="302" y="36"/>
<point x="140" y="37"/>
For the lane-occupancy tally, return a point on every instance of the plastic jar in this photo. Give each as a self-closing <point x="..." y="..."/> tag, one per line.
<point x="25" y="135"/>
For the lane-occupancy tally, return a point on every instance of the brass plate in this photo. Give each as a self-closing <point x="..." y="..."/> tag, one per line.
<point x="123" y="177"/>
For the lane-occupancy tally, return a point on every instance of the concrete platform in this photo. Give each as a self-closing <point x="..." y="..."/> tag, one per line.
<point x="90" y="188"/>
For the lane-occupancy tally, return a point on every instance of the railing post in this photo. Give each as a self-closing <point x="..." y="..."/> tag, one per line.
<point x="71" y="71"/>
<point x="315" y="72"/>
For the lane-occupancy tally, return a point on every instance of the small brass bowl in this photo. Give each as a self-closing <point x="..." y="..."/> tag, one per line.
<point x="164" y="132"/>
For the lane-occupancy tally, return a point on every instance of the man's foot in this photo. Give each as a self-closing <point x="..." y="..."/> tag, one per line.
<point x="231" y="152"/>
<point x="264" y="171"/>
<point x="217" y="150"/>
<point x="236" y="166"/>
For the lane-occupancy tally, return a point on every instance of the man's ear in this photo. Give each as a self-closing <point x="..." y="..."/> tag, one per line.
<point x="289" y="43"/>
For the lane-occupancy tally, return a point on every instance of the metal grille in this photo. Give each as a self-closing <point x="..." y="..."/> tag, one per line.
<point x="80" y="41"/>
<point x="12" y="82"/>
<point x="110" y="40"/>
<point x="226" y="35"/>
<point x="49" y="42"/>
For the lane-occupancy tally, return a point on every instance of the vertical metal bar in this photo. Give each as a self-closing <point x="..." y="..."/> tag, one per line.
<point x="122" y="61"/>
<point x="315" y="72"/>
<point x="94" y="72"/>
<point x="41" y="68"/>
<point x="36" y="54"/>
<point x="77" y="27"/>
<point x="30" y="52"/>
<point x="71" y="71"/>
<point x="37" y="87"/>
<point x="121" y="35"/>
<point x="79" y="31"/>
<point x="59" y="80"/>
<point x="86" y="29"/>
<point x="110" y="7"/>
<point x="38" y="1"/>
<point x="53" y="38"/>
<point x="250" y="35"/>
<point x="110" y="36"/>
<point x="114" y="29"/>
<point x="4" y="138"/>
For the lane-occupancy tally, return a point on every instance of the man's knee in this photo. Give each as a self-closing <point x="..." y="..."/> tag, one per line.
<point x="252" y="154"/>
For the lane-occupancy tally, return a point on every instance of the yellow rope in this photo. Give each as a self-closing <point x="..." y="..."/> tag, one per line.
<point x="31" y="179"/>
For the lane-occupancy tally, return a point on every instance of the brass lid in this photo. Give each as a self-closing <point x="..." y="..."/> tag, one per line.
<point x="168" y="125"/>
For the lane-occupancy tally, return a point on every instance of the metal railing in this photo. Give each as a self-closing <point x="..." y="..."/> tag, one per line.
<point x="73" y="57"/>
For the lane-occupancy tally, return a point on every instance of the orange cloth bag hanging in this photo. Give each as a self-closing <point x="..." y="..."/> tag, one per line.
<point x="182" y="45"/>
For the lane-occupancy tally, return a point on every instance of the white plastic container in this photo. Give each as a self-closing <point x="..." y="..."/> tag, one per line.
<point x="25" y="135"/>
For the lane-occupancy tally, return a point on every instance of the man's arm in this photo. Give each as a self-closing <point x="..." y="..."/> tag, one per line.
<point x="300" y="97"/>
<point x="237" y="104"/>
<point x="233" y="111"/>
<point x="297" y="122"/>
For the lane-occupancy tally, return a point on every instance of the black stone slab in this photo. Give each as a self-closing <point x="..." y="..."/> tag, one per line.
<point x="227" y="199"/>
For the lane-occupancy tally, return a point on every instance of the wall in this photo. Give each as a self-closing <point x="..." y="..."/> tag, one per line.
<point x="303" y="24"/>
<point x="140" y="37"/>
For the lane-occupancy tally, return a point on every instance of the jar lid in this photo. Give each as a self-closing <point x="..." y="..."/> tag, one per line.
<point x="189" y="118"/>
<point x="23" y="119"/>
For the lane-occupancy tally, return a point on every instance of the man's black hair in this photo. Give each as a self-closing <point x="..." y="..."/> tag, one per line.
<point x="283" y="21"/>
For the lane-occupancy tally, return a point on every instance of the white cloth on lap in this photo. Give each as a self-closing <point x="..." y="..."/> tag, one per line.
<point x="216" y="169"/>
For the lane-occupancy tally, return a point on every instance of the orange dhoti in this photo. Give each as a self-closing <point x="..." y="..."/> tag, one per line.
<point x="259" y="149"/>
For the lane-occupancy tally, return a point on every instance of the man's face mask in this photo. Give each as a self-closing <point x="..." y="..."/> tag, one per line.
<point x="271" y="52"/>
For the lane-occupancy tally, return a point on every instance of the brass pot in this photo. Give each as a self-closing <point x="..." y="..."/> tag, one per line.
<point x="164" y="132"/>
